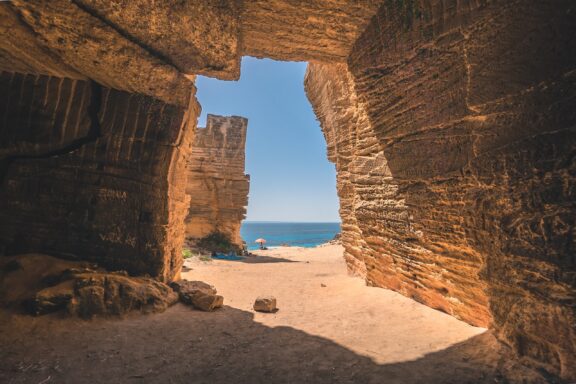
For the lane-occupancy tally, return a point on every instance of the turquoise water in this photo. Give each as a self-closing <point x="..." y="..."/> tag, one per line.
<point x="294" y="234"/>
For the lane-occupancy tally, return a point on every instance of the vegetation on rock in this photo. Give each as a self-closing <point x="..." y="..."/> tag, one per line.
<point x="217" y="242"/>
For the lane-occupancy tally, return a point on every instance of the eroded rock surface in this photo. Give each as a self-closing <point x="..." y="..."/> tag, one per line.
<point x="453" y="137"/>
<point x="217" y="184"/>
<point x="382" y="245"/>
<point x="197" y="37"/>
<point x="93" y="172"/>
<point x="319" y="30"/>
<point x="92" y="47"/>
<point x="150" y="47"/>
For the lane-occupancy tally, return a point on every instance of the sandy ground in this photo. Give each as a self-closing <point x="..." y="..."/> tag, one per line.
<point x="373" y="322"/>
<point x="344" y="332"/>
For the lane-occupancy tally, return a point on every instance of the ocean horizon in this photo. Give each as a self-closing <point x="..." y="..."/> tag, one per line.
<point x="295" y="234"/>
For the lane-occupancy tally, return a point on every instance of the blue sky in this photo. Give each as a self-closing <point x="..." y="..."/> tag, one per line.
<point x="291" y="178"/>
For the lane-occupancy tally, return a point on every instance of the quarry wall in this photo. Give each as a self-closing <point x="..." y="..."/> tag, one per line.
<point x="217" y="185"/>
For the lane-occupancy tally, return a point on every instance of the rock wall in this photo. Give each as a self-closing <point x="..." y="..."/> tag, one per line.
<point x="84" y="43"/>
<point x="148" y="47"/>
<point x="93" y="173"/>
<point x="217" y="184"/>
<point x="454" y="136"/>
<point x="323" y="30"/>
<point x="382" y="239"/>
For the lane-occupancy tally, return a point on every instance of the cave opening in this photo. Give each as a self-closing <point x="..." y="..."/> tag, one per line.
<point x="292" y="187"/>
<point x="291" y="181"/>
<point x="450" y="123"/>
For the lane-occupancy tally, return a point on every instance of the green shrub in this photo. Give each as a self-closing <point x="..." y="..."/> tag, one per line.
<point x="186" y="253"/>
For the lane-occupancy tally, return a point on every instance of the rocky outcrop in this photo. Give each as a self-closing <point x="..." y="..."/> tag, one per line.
<point x="217" y="184"/>
<point x="453" y="135"/>
<point x="198" y="294"/>
<point x="43" y="284"/>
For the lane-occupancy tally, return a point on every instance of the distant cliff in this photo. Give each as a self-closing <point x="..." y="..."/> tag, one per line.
<point x="217" y="185"/>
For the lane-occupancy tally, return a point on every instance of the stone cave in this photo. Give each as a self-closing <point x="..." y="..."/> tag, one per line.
<point x="451" y="123"/>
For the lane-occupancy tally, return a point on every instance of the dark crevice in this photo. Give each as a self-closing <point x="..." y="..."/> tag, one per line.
<point x="94" y="132"/>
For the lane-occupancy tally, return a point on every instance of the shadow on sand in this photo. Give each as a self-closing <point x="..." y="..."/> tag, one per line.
<point x="256" y="259"/>
<point x="266" y="259"/>
<point x="227" y="346"/>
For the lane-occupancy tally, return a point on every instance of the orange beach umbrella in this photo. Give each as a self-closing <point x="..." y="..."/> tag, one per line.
<point x="261" y="241"/>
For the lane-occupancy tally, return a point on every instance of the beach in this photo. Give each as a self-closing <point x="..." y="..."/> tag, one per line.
<point x="330" y="328"/>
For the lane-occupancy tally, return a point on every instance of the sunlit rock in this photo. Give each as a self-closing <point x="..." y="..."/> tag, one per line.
<point x="217" y="184"/>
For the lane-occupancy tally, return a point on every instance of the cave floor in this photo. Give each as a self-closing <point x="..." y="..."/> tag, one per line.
<point x="330" y="328"/>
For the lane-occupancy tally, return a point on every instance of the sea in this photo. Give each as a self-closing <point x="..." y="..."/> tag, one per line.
<point x="292" y="234"/>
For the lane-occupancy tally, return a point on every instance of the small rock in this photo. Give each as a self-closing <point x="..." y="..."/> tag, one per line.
<point x="198" y="294"/>
<point x="265" y="304"/>
<point x="207" y="303"/>
<point x="323" y="285"/>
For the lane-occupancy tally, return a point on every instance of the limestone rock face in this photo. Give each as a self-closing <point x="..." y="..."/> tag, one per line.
<point x="197" y="37"/>
<point x="155" y="47"/>
<point x="22" y="52"/>
<point x="94" y="48"/>
<point x="319" y="30"/>
<point x="217" y="184"/>
<point x="381" y="243"/>
<point x="453" y="137"/>
<point x="93" y="172"/>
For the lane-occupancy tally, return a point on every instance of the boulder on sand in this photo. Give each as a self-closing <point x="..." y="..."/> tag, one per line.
<point x="42" y="284"/>
<point x="265" y="304"/>
<point x="198" y="294"/>
<point x="207" y="303"/>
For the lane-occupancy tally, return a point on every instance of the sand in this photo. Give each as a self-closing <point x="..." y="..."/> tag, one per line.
<point x="344" y="332"/>
<point x="373" y="322"/>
